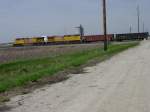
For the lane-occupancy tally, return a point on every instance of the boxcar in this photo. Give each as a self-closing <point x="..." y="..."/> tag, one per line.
<point x="95" y="38"/>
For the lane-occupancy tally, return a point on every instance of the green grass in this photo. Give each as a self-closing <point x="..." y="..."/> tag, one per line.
<point x="19" y="73"/>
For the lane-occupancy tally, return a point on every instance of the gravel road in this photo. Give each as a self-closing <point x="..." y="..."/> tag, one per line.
<point x="120" y="84"/>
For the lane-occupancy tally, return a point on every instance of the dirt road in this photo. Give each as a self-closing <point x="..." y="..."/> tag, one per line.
<point x="120" y="84"/>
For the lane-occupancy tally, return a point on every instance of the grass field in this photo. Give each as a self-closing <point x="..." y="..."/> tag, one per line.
<point x="8" y="54"/>
<point x="19" y="73"/>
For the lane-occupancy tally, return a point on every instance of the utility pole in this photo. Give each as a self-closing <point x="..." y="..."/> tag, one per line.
<point x="105" y="25"/>
<point x="143" y="27"/>
<point x="130" y="29"/>
<point x="138" y="16"/>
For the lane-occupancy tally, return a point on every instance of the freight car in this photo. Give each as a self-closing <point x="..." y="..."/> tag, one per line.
<point x="95" y="38"/>
<point x="131" y="36"/>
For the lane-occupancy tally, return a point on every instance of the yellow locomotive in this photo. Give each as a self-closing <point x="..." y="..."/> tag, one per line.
<point x="63" y="39"/>
<point x="29" y="41"/>
<point x="66" y="39"/>
<point x="72" y="38"/>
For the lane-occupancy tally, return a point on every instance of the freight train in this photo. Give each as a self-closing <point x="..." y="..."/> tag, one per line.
<point x="71" y="39"/>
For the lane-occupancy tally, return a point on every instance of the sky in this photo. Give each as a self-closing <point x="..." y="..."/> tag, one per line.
<point x="28" y="18"/>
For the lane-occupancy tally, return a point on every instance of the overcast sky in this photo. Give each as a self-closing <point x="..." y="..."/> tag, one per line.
<point x="25" y="18"/>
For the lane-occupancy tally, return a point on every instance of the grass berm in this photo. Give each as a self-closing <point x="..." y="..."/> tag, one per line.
<point x="19" y="73"/>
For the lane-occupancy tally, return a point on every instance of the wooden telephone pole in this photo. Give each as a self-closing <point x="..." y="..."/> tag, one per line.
<point x="105" y="25"/>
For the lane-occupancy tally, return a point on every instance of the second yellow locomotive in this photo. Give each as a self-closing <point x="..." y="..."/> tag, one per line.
<point x="29" y="41"/>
